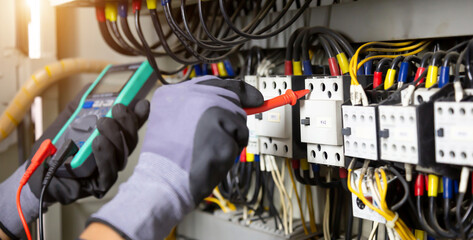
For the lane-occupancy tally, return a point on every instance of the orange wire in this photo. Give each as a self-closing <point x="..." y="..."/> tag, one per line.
<point x="20" y="212"/>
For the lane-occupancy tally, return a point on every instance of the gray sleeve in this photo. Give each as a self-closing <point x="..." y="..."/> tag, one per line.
<point x="9" y="217"/>
<point x="153" y="200"/>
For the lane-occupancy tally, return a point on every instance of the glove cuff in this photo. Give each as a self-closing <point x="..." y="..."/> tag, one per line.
<point x="29" y="203"/>
<point x="153" y="200"/>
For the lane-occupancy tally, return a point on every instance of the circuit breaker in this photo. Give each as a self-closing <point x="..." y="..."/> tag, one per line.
<point x="360" y="131"/>
<point x="454" y="132"/>
<point x="321" y="120"/>
<point x="276" y="129"/>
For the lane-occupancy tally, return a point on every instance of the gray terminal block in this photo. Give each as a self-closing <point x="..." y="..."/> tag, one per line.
<point x="360" y="131"/>
<point x="454" y="132"/>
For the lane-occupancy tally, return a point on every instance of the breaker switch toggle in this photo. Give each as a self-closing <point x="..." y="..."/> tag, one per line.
<point x="305" y="121"/>
<point x="384" y="133"/>
<point x="346" y="131"/>
<point x="440" y="132"/>
<point x="259" y="116"/>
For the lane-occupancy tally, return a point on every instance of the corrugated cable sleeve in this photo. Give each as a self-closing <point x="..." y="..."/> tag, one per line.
<point x="38" y="83"/>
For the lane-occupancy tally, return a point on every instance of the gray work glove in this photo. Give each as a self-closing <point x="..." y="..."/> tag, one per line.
<point x="108" y="149"/>
<point x="195" y="131"/>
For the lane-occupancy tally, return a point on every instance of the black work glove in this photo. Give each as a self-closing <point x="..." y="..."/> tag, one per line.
<point x="118" y="137"/>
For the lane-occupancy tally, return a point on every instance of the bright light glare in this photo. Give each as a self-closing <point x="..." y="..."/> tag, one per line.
<point x="34" y="29"/>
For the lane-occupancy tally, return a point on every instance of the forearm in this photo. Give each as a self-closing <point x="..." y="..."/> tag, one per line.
<point x="151" y="202"/>
<point x="3" y="236"/>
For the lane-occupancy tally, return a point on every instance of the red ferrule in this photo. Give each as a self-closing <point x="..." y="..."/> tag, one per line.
<point x="214" y="67"/>
<point x="377" y="79"/>
<point x="333" y="66"/>
<point x="418" y="73"/>
<point x="288" y="67"/>
<point x="243" y="155"/>
<point x="136" y="5"/>
<point x="343" y="173"/>
<point x="100" y="13"/>
<point x="420" y="185"/>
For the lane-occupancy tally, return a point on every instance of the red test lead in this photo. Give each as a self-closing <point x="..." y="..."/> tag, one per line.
<point x="290" y="97"/>
<point x="45" y="150"/>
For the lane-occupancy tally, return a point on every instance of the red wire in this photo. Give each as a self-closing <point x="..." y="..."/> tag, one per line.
<point x="45" y="150"/>
<point x="20" y="212"/>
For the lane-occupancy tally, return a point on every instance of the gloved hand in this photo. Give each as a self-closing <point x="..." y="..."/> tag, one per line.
<point x="109" y="150"/>
<point x="195" y="131"/>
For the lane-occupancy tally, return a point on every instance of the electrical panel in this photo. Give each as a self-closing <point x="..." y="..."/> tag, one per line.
<point x="454" y="132"/>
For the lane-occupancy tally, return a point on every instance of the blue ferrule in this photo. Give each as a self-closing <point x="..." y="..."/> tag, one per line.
<point x="123" y="9"/>
<point x="315" y="167"/>
<point x="205" y="69"/>
<point x="403" y="72"/>
<point x="229" y="68"/>
<point x="444" y="77"/>
<point x="447" y="188"/>
<point x="307" y="67"/>
<point x="361" y="71"/>
<point x="237" y="159"/>
<point x="455" y="186"/>
<point x="256" y="158"/>
<point x="198" y="70"/>
<point x="368" y="67"/>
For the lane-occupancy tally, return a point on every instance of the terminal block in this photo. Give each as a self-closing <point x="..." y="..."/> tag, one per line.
<point x="253" y="140"/>
<point x="360" y="131"/>
<point x="454" y="132"/>
<point x="360" y="210"/>
<point x="278" y="129"/>
<point x="326" y="155"/>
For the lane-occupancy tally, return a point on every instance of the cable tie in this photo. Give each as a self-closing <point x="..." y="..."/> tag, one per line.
<point x="391" y="224"/>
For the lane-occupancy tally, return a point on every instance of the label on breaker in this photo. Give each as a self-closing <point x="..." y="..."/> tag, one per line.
<point x="274" y="117"/>
<point x="363" y="133"/>
<point x="323" y="122"/>
<point x="461" y="133"/>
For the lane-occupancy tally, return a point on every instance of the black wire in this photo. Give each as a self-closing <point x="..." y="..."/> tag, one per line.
<point x="451" y="56"/>
<point x="422" y="220"/>
<point x="149" y="55"/>
<point x="290" y="43"/>
<point x="41" y="199"/>
<point x="381" y="63"/>
<point x="396" y="61"/>
<point x="325" y="45"/>
<point x="349" y="227"/>
<point x="412" y="58"/>
<point x="437" y="58"/>
<point x="446" y="215"/>
<point x="458" y="215"/>
<point x="259" y="35"/>
<point x="405" y="185"/>
<point x="109" y="40"/>
<point x="425" y="59"/>
<point x="433" y="220"/>
<point x="457" y="66"/>
<point x="113" y="25"/>
<point x="458" y="46"/>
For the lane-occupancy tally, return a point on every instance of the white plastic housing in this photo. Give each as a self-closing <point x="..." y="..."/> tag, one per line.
<point x="326" y="155"/>
<point x="362" y="141"/>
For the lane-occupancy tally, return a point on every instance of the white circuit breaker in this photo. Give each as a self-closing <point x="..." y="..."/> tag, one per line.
<point x="398" y="134"/>
<point x="275" y="129"/>
<point x="321" y="120"/>
<point x="454" y="132"/>
<point x="360" y="131"/>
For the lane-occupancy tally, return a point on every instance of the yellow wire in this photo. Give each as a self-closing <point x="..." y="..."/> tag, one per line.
<point x="216" y="201"/>
<point x="313" y="227"/>
<point x="353" y="67"/>
<point x="288" y="165"/>
<point x="403" y="49"/>
<point x="399" y="225"/>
